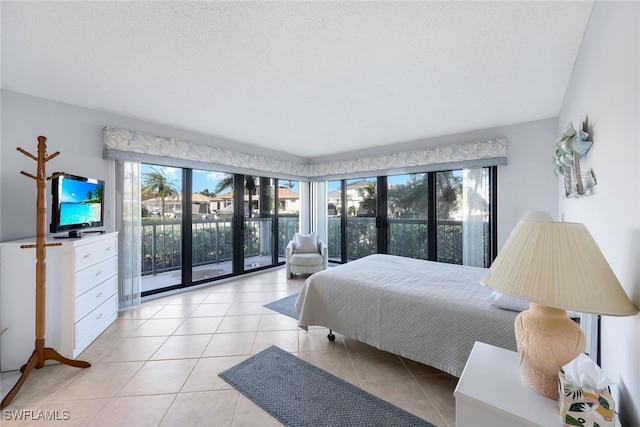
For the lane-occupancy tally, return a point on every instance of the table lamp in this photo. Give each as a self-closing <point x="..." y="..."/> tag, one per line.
<point x="556" y="266"/>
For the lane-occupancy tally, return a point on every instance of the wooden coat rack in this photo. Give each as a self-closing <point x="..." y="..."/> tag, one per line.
<point x="41" y="353"/>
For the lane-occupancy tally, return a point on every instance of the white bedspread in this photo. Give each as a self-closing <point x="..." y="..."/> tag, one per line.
<point x="425" y="311"/>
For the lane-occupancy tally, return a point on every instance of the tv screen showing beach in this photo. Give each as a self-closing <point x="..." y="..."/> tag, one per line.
<point x="80" y="202"/>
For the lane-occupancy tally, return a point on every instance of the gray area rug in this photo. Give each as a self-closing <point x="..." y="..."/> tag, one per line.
<point x="300" y="394"/>
<point x="285" y="306"/>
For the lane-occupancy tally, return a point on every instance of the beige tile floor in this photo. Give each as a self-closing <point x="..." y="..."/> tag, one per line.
<point x="158" y="364"/>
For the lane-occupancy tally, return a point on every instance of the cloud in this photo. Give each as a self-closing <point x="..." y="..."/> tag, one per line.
<point x="171" y="172"/>
<point x="217" y="176"/>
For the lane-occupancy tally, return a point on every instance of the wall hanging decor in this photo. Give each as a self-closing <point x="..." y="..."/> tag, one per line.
<point x="571" y="162"/>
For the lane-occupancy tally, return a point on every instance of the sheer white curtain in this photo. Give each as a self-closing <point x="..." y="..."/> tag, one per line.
<point x="129" y="226"/>
<point x="475" y="210"/>
<point x="318" y="208"/>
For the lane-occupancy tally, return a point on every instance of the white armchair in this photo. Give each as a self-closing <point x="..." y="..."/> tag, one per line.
<point x="306" y="255"/>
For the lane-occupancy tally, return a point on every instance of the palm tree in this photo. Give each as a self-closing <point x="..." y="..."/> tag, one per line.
<point x="288" y="184"/>
<point x="223" y="184"/>
<point x="411" y="196"/>
<point x="409" y="199"/>
<point x="449" y="187"/>
<point x="156" y="184"/>
<point x="368" y="205"/>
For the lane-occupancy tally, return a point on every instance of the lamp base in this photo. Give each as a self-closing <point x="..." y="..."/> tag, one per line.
<point x="547" y="340"/>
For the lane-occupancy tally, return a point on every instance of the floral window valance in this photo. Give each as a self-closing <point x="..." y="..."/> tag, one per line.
<point x="131" y="145"/>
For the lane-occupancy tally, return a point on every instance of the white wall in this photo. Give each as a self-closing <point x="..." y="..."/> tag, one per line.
<point x="74" y="131"/>
<point x="524" y="184"/>
<point x="606" y="86"/>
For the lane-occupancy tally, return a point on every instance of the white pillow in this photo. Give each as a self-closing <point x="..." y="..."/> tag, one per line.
<point x="508" y="302"/>
<point x="305" y="243"/>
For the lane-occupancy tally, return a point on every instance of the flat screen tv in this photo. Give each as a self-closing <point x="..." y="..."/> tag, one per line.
<point x="76" y="204"/>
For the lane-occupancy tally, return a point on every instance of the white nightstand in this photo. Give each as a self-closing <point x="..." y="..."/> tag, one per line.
<point x="491" y="393"/>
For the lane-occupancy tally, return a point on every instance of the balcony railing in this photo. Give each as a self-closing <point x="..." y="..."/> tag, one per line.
<point x="407" y="237"/>
<point x="212" y="240"/>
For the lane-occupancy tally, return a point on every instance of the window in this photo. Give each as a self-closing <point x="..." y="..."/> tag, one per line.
<point x="442" y="216"/>
<point x="407" y="213"/>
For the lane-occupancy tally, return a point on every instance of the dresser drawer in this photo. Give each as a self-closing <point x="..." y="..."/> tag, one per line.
<point x="91" y="276"/>
<point x="87" y="324"/>
<point x="94" y="297"/>
<point x="93" y="253"/>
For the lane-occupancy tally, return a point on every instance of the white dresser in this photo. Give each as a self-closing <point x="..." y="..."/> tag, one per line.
<point x="81" y="295"/>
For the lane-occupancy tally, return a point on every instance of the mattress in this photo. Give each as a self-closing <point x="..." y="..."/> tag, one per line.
<point x="425" y="311"/>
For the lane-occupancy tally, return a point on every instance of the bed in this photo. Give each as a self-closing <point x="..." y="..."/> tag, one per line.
<point x="425" y="311"/>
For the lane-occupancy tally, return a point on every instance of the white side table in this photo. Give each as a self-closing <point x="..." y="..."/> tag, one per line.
<point x="490" y="392"/>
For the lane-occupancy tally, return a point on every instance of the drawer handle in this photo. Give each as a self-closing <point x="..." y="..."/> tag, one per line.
<point x="99" y="295"/>
<point x="99" y="316"/>
<point x="99" y="273"/>
<point x="108" y="249"/>
<point x="87" y="255"/>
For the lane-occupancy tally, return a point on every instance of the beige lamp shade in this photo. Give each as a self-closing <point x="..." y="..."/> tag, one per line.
<point x="557" y="264"/>
<point x="537" y="216"/>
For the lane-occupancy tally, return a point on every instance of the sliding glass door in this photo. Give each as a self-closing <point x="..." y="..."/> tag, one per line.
<point x="361" y="209"/>
<point x="201" y="225"/>
<point x="161" y="193"/>
<point x="449" y="216"/>
<point x="258" y="218"/>
<point x="211" y="232"/>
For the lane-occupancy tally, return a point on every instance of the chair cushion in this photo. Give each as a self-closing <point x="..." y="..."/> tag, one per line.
<point x="306" y="259"/>
<point x="305" y="243"/>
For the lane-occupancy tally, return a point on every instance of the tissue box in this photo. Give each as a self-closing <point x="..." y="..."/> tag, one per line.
<point x="584" y="407"/>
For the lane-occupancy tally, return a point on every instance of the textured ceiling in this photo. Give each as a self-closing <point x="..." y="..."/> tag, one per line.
<point x="308" y="78"/>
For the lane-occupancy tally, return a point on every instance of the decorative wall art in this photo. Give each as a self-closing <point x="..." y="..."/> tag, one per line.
<point x="571" y="161"/>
